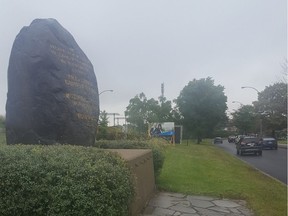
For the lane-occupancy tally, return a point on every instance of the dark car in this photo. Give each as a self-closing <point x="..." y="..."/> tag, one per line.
<point x="269" y="142"/>
<point x="249" y="145"/>
<point x="218" y="140"/>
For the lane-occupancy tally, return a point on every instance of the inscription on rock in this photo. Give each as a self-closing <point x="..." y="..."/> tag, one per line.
<point x="52" y="88"/>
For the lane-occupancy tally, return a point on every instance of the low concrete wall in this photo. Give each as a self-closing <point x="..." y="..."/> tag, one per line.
<point x="140" y="162"/>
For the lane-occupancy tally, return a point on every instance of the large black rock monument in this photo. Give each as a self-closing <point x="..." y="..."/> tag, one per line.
<point x="52" y="89"/>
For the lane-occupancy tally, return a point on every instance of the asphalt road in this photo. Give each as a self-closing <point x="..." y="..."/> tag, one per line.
<point x="272" y="162"/>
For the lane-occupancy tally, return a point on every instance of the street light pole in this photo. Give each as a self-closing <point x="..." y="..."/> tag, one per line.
<point x="251" y="88"/>
<point x="110" y="90"/>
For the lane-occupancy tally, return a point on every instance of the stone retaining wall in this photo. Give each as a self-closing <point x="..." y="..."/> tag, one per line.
<point x="140" y="162"/>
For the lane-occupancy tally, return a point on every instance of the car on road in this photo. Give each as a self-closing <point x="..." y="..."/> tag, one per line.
<point x="249" y="145"/>
<point x="269" y="142"/>
<point x="218" y="140"/>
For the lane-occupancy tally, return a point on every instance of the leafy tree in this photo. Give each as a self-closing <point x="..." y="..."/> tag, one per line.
<point x="103" y="119"/>
<point x="203" y="106"/>
<point x="136" y="112"/>
<point x="142" y="111"/>
<point x="272" y="105"/>
<point x="166" y="113"/>
<point x="245" y="119"/>
<point x="102" y="126"/>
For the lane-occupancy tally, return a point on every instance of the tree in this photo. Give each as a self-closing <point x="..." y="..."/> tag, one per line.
<point x="272" y="105"/>
<point x="103" y="119"/>
<point x="102" y="126"/>
<point x="203" y="106"/>
<point x="136" y="112"/>
<point x="166" y="113"/>
<point x="142" y="111"/>
<point x="245" y="119"/>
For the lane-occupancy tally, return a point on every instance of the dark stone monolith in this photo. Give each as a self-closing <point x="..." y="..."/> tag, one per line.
<point x="52" y="89"/>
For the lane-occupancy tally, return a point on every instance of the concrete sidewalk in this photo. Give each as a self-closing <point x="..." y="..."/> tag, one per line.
<point x="165" y="204"/>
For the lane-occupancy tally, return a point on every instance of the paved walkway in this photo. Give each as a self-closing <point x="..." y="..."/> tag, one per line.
<point x="165" y="204"/>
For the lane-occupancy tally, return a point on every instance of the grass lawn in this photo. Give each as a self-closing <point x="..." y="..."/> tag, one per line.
<point x="203" y="169"/>
<point x="282" y="142"/>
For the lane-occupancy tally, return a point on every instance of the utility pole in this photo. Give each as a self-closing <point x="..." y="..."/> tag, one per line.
<point x="118" y="118"/>
<point x="113" y="114"/>
<point x="162" y="90"/>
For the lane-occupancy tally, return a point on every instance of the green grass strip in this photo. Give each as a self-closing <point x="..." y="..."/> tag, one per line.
<point x="204" y="169"/>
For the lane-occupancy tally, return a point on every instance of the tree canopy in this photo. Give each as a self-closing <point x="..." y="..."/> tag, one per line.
<point x="203" y="106"/>
<point x="141" y="111"/>
<point x="272" y="106"/>
<point x="103" y="119"/>
<point x="245" y="119"/>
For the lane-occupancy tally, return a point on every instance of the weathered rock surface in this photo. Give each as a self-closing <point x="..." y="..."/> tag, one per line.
<point x="52" y="89"/>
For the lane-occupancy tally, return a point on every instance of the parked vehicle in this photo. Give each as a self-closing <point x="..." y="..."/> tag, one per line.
<point x="269" y="142"/>
<point x="218" y="140"/>
<point x="231" y="139"/>
<point x="249" y="145"/>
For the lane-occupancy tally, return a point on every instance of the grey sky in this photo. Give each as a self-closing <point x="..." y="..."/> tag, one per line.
<point x="135" y="46"/>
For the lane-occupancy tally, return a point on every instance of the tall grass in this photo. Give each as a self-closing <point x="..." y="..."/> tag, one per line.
<point x="203" y="169"/>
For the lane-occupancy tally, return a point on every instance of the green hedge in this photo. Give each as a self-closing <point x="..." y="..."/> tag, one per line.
<point x="157" y="149"/>
<point x="63" y="180"/>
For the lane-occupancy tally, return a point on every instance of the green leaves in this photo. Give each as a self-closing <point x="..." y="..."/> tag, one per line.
<point x="203" y="106"/>
<point x="103" y="119"/>
<point x="267" y="115"/>
<point x="63" y="180"/>
<point x="245" y="119"/>
<point x="272" y="105"/>
<point x="141" y="111"/>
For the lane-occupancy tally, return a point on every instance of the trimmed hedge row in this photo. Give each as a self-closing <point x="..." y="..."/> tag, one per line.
<point x="63" y="180"/>
<point x="157" y="149"/>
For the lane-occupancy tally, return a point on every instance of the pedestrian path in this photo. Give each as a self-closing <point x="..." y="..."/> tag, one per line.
<point x="166" y="204"/>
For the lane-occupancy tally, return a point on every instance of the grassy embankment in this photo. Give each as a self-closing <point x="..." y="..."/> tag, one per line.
<point x="204" y="169"/>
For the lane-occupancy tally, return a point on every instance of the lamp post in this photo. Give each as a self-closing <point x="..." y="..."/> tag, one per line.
<point x="108" y="90"/>
<point x="243" y="87"/>
<point x="261" y="123"/>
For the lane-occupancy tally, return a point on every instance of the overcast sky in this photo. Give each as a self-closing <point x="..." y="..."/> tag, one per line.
<point x="135" y="46"/>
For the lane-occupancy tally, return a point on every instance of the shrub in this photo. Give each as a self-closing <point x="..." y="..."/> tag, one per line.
<point x="157" y="148"/>
<point x="2" y="138"/>
<point x="63" y="180"/>
<point x="110" y="133"/>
